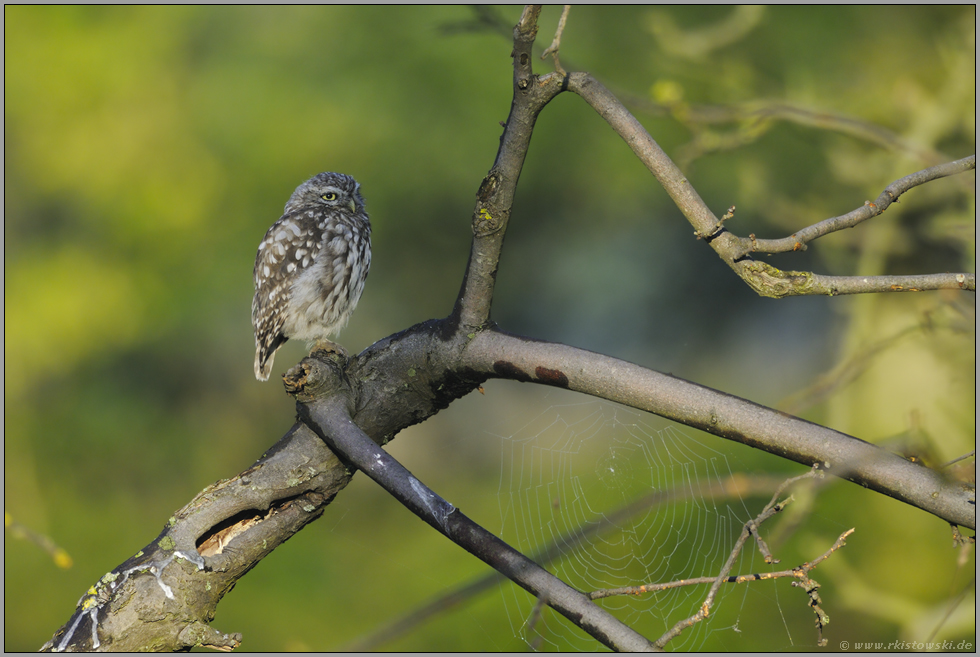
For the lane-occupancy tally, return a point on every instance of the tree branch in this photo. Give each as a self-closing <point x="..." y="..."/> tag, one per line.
<point x="506" y="356"/>
<point x="205" y="548"/>
<point x="736" y="486"/>
<point x="556" y="42"/>
<point x="496" y="194"/>
<point x="765" y="279"/>
<point x="328" y="413"/>
<point x="757" y="116"/>
<point x="798" y="240"/>
<point x="751" y="528"/>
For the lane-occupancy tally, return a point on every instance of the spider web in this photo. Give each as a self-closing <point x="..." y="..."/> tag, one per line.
<point x="620" y="503"/>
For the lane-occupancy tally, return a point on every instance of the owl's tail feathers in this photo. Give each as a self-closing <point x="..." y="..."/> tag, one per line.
<point x="265" y="354"/>
<point x="263" y="364"/>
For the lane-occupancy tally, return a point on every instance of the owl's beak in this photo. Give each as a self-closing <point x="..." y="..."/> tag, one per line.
<point x="353" y="208"/>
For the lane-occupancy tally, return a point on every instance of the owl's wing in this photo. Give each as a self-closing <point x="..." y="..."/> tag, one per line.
<point x="289" y="247"/>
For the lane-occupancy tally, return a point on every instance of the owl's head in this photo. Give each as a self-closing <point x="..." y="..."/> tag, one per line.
<point x="333" y="190"/>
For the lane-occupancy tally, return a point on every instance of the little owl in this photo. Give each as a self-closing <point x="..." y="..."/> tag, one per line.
<point x="310" y="268"/>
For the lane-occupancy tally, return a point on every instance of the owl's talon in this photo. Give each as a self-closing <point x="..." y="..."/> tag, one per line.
<point x="326" y="347"/>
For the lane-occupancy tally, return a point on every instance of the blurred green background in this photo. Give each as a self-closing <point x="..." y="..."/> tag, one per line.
<point x="147" y="150"/>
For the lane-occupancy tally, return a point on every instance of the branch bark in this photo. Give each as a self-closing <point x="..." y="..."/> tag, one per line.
<point x="496" y="194"/>
<point x="507" y="356"/>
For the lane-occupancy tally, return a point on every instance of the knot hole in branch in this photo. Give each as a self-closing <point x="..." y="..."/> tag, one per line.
<point x="321" y="374"/>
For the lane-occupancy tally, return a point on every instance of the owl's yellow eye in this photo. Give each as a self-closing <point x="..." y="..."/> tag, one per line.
<point x="329" y="196"/>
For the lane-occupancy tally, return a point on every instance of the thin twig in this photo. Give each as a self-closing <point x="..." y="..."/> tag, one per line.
<point x="58" y="554"/>
<point x="972" y="452"/>
<point x="556" y="42"/>
<point x="756" y="119"/>
<point x="737" y="485"/>
<point x="798" y="240"/>
<point x="537" y="615"/>
<point x="801" y="572"/>
<point x="771" y="509"/>
<point x="655" y="587"/>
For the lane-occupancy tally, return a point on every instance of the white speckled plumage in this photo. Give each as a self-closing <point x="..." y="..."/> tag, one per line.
<point x="310" y="267"/>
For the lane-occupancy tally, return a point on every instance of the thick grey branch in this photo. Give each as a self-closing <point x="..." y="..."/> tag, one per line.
<point x="727" y="416"/>
<point x="226" y="529"/>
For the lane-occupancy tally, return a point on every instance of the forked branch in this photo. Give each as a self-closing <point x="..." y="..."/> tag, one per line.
<point x="801" y="573"/>
<point x="329" y="416"/>
<point x="765" y="279"/>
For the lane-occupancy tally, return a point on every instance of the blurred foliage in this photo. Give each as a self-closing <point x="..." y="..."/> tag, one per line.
<point x="147" y="149"/>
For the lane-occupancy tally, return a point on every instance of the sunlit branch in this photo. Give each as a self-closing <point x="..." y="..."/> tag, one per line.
<point x="765" y="279"/>
<point x="801" y="573"/>
<point x="512" y="357"/>
<point x="750" y="528"/>
<point x="772" y="282"/>
<point x="798" y="240"/>
<point x="656" y="587"/>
